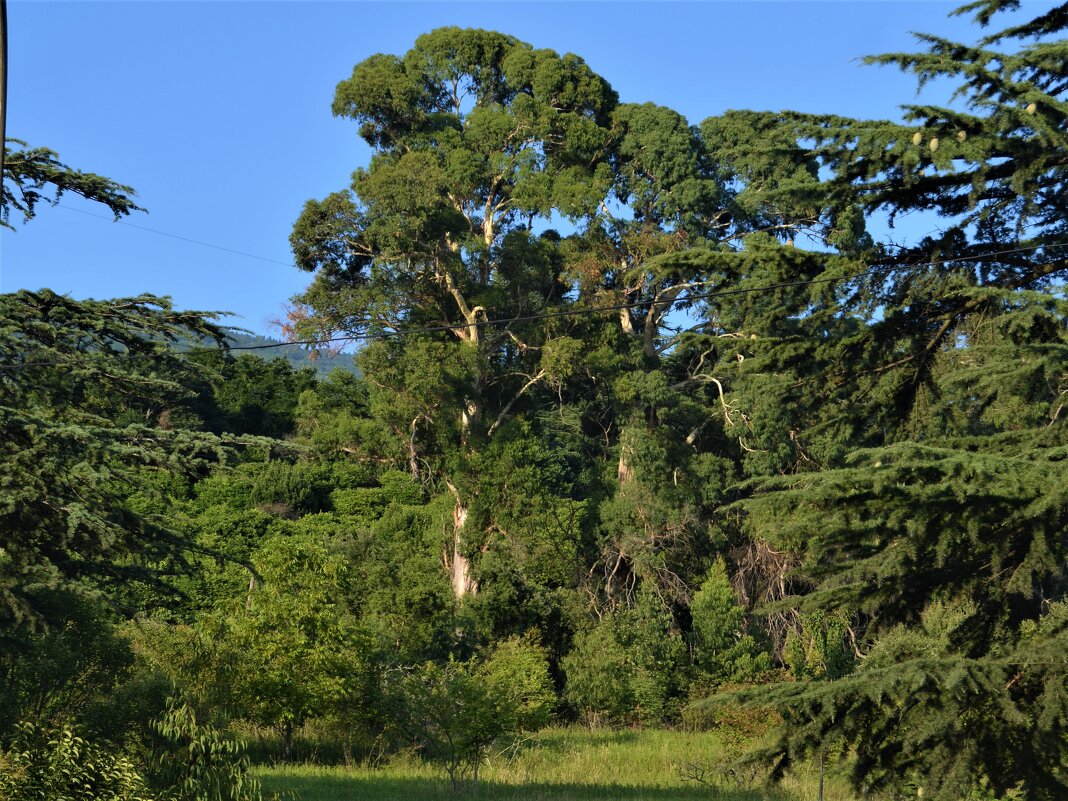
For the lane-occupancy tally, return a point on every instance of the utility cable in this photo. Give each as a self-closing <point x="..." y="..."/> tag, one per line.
<point x="592" y="310"/>
<point x="176" y="236"/>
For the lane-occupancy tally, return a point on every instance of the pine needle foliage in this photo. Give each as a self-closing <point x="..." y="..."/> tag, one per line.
<point x="35" y="174"/>
<point x="933" y="513"/>
<point x="91" y="400"/>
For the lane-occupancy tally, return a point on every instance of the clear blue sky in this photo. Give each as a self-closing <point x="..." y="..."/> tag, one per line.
<point x="219" y="113"/>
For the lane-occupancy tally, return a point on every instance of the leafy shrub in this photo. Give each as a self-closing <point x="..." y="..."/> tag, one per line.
<point x="738" y="723"/>
<point x="628" y="668"/>
<point x="72" y="665"/>
<point x="451" y="714"/>
<point x="291" y="489"/>
<point x="58" y="765"/>
<point x="197" y="762"/>
<point x="818" y="648"/>
<point x="517" y="676"/>
<point x="722" y="648"/>
<point x="366" y="503"/>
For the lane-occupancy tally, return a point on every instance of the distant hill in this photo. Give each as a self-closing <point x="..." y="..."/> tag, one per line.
<point x="323" y="363"/>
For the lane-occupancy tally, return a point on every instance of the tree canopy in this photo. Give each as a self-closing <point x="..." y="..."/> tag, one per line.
<point x="648" y="422"/>
<point x="31" y="174"/>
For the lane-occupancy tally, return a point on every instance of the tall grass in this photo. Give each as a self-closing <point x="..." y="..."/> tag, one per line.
<point x="570" y="764"/>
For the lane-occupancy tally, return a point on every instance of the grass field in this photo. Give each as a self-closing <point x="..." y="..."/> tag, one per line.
<point x="557" y="765"/>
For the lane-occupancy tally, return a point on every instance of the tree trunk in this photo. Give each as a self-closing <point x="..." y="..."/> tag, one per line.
<point x="413" y="456"/>
<point x="460" y="567"/>
<point x="287" y="742"/>
<point x="470" y="416"/>
<point x="462" y="584"/>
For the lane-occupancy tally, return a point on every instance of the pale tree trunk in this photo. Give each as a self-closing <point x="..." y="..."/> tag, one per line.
<point x="623" y="470"/>
<point x="456" y="563"/>
<point x="470" y="416"/>
<point x="459" y="566"/>
<point x="413" y="455"/>
<point x="462" y="583"/>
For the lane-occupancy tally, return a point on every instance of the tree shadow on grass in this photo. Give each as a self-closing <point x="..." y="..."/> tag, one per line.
<point x="371" y="787"/>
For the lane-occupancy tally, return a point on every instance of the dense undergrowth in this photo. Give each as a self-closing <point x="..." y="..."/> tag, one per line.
<point x="710" y="458"/>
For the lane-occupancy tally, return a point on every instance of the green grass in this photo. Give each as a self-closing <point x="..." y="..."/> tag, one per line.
<point x="554" y="765"/>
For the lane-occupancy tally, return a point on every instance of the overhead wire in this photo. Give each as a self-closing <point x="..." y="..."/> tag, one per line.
<point x="177" y="236"/>
<point x="592" y="310"/>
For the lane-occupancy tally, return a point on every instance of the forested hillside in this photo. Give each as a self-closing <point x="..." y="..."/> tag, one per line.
<point x="322" y="361"/>
<point x="648" y="429"/>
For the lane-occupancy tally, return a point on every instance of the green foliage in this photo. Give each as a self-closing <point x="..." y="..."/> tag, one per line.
<point x="527" y="492"/>
<point x="626" y="669"/>
<point x="406" y="600"/>
<point x="290" y="649"/>
<point x="818" y="648"/>
<point x="455" y="718"/>
<point x="722" y="648"/>
<point x="516" y="675"/>
<point x="58" y="764"/>
<point x="30" y="173"/>
<point x="955" y="724"/>
<point x="290" y="490"/>
<point x="196" y="762"/>
<point x="71" y="668"/>
<point x="85" y="396"/>
<point x="936" y="483"/>
<point x="256" y="396"/>
<point x="333" y="418"/>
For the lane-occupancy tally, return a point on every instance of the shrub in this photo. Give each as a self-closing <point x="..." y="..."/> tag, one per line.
<point x="452" y="715"/>
<point x="71" y="666"/>
<point x="722" y="648"/>
<point x="197" y="762"/>
<point x="59" y="765"/>
<point x="291" y="489"/>
<point x="517" y="676"/>
<point x="627" y="669"/>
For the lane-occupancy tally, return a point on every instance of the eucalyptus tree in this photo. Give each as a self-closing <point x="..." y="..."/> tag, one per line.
<point x="479" y="140"/>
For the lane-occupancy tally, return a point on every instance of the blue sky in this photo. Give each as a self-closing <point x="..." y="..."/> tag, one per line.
<point x="218" y="113"/>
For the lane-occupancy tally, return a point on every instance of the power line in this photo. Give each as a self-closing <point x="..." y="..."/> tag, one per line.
<point x="177" y="236"/>
<point x="635" y="304"/>
<point x="592" y="310"/>
<point x="466" y="325"/>
<point x="291" y="264"/>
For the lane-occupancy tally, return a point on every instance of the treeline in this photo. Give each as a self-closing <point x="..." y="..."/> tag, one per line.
<point x="710" y="447"/>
